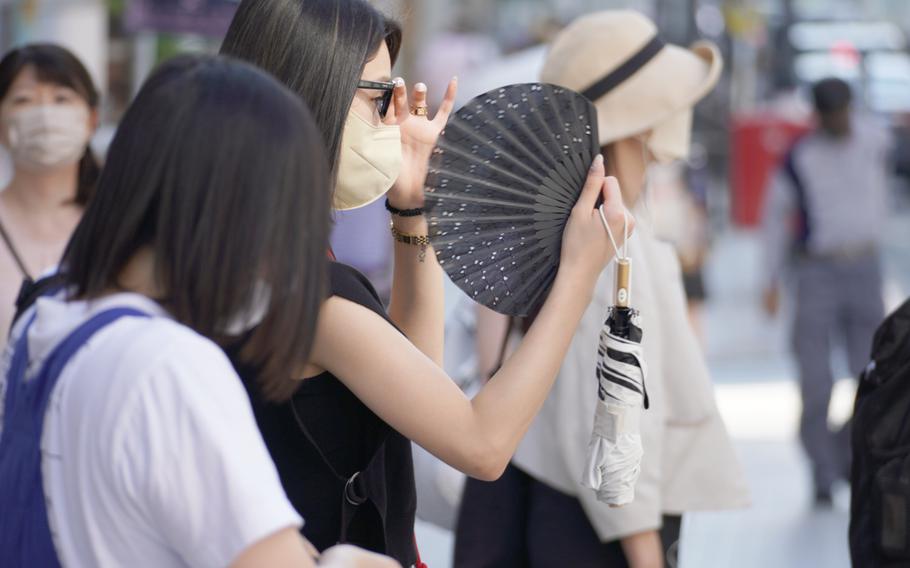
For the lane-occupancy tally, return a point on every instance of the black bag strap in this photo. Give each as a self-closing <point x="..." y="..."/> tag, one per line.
<point x="312" y="441"/>
<point x="14" y="252"/>
<point x="32" y="290"/>
<point x="355" y="488"/>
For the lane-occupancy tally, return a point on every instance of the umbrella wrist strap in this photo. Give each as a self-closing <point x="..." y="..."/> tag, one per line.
<point x="623" y="268"/>
<point x="622" y="253"/>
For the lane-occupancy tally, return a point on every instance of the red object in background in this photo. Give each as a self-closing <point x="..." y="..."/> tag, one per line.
<point x="759" y="143"/>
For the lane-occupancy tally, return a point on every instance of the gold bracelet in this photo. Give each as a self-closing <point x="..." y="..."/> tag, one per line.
<point x="422" y="241"/>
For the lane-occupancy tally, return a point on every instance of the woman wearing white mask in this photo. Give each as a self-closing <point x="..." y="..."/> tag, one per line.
<point x="538" y="513"/>
<point x="341" y="439"/>
<point x="48" y="112"/>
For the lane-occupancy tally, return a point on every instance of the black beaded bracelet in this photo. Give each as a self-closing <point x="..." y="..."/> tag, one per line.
<point x="403" y="212"/>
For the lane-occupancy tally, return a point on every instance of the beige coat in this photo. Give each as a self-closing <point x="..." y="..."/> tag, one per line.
<point x="689" y="462"/>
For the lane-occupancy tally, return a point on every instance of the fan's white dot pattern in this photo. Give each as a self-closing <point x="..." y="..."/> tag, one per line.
<point x="503" y="178"/>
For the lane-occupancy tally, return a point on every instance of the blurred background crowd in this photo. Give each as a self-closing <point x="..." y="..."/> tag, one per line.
<point x="709" y="207"/>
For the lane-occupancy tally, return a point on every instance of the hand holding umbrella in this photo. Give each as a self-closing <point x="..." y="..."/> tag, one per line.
<point x="615" y="450"/>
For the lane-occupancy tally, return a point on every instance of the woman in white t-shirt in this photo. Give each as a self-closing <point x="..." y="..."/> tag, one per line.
<point x="126" y="438"/>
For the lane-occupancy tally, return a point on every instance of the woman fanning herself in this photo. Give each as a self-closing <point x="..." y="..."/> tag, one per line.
<point x="371" y="382"/>
<point x="127" y="438"/>
<point x="48" y="112"/>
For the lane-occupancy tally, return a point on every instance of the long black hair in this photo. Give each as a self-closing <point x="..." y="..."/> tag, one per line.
<point x="318" y="48"/>
<point x="221" y="172"/>
<point x="54" y="64"/>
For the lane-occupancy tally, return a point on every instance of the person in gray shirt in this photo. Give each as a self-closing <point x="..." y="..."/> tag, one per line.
<point x="824" y="213"/>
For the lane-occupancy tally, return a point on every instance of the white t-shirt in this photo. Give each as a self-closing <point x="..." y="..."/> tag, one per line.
<point x="150" y="452"/>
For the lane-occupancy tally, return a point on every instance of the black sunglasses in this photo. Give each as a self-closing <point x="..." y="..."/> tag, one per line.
<point x="387" y="89"/>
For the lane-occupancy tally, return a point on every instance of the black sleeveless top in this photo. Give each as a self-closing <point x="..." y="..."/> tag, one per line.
<point x="324" y="436"/>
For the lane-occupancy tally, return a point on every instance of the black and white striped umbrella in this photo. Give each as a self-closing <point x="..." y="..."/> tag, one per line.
<point x="615" y="450"/>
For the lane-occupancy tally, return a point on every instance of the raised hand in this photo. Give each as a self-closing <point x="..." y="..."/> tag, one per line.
<point x="586" y="246"/>
<point x="419" y="133"/>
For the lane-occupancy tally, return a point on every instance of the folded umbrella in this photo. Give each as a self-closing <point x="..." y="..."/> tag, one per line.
<point x="615" y="450"/>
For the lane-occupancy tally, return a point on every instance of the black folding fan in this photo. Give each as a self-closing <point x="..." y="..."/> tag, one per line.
<point x="505" y="174"/>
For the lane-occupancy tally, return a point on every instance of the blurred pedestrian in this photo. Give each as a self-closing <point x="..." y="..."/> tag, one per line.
<point x="127" y="438"/>
<point x="373" y="381"/>
<point x="825" y="210"/>
<point x="48" y="112"/>
<point x="538" y="514"/>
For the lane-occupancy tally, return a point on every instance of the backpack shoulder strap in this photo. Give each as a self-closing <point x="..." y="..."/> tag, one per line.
<point x="25" y="535"/>
<point x="55" y="361"/>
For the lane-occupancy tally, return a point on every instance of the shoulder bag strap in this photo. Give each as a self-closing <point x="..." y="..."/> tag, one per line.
<point x="14" y="252"/>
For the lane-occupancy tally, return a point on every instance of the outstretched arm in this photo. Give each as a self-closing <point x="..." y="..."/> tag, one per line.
<point x="411" y="393"/>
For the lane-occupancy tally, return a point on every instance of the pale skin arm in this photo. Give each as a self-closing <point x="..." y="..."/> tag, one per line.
<point x="286" y="548"/>
<point x="412" y="394"/>
<point x="643" y="550"/>
<point x="417" y="303"/>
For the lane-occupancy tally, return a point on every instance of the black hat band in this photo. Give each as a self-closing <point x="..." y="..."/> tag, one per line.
<point x="627" y="69"/>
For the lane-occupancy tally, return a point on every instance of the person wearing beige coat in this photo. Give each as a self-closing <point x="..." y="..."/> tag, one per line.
<point x="538" y="514"/>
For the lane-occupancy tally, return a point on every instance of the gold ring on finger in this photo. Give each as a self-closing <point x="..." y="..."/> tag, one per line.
<point x="419" y="110"/>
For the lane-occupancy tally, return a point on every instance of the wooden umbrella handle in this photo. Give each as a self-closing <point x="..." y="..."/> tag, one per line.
<point x="623" y="297"/>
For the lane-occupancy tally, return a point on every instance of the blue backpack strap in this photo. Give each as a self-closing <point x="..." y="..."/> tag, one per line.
<point x="803" y="229"/>
<point x="25" y="536"/>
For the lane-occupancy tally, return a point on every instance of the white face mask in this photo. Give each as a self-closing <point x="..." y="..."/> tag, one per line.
<point x="669" y="141"/>
<point x="369" y="162"/>
<point x="46" y="137"/>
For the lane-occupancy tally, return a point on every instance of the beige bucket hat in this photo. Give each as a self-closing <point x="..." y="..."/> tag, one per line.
<point x="637" y="83"/>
